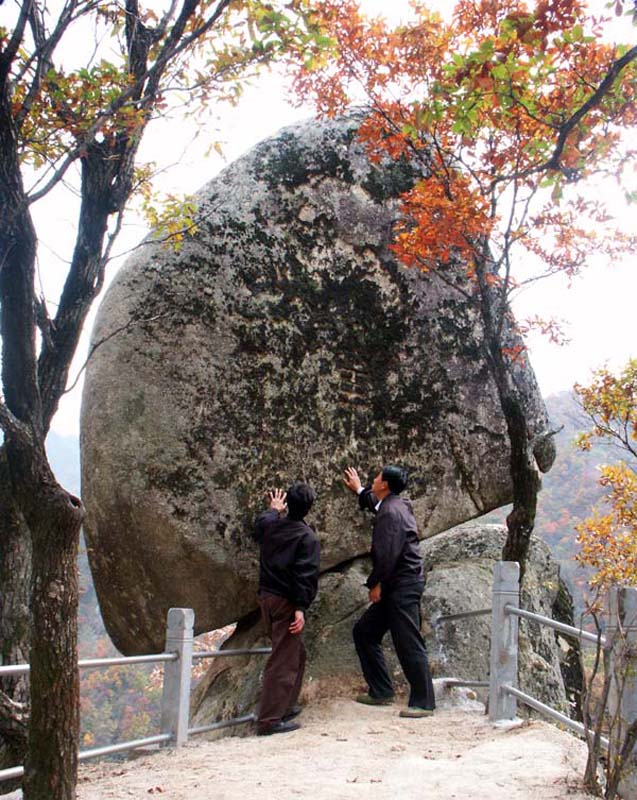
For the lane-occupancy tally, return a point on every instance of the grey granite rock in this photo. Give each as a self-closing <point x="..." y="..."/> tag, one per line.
<point x="282" y="341"/>
<point x="459" y="567"/>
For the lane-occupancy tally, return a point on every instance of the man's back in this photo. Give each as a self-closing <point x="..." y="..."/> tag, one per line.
<point x="290" y="555"/>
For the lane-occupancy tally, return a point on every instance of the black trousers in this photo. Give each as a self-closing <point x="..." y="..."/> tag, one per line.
<point x="398" y="612"/>
<point x="283" y="674"/>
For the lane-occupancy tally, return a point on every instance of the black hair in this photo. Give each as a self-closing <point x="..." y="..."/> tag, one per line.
<point x="299" y="498"/>
<point x="396" y="477"/>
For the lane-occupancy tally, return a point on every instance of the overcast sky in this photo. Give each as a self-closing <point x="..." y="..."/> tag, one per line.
<point x="598" y="308"/>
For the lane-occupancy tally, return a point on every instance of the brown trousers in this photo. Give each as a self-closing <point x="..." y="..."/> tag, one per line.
<point x="283" y="674"/>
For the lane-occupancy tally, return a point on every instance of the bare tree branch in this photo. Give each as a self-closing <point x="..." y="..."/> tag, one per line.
<point x="7" y="56"/>
<point x="96" y="345"/>
<point x="14" y="718"/>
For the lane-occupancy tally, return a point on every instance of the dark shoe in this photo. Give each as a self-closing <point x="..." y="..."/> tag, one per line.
<point x="293" y="712"/>
<point x="278" y="727"/>
<point x="415" y="712"/>
<point x="368" y="700"/>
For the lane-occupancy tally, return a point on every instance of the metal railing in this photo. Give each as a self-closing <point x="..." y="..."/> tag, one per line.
<point x="480" y="612"/>
<point x="502" y="683"/>
<point x="503" y="664"/>
<point x="175" y="706"/>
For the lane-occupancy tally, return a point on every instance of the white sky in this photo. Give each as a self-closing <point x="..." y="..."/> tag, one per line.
<point x="598" y="308"/>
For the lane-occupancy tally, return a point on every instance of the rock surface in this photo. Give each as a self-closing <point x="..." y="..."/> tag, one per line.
<point x="282" y="341"/>
<point x="459" y="566"/>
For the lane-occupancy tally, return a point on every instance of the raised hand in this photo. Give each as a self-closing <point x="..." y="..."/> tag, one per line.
<point x="352" y="481"/>
<point x="277" y="500"/>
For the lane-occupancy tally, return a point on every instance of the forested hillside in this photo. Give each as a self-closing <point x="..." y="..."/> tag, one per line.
<point x="569" y="490"/>
<point x="123" y="702"/>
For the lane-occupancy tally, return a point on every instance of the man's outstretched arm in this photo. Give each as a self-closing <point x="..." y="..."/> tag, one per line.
<point x="367" y="500"/>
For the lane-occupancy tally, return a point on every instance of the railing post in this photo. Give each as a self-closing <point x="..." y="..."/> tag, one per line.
<point x="504" y="641"/>
<point x="175" y="701"/>
<point x="621" y="636"/>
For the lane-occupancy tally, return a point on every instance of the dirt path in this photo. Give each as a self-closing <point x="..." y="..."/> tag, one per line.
<point x="346" y="751"/>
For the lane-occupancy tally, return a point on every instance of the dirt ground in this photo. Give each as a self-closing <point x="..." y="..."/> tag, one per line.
<point x="346" y="751"/>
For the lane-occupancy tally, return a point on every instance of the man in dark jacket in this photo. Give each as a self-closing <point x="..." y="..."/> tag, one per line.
<point x="395" y="588"/>
<point x="288" y="581"/>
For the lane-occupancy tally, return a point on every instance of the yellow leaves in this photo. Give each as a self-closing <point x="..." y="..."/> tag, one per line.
<point x="608" y="542"/>
<point x="88" y="740"/>
<point x="584" y="441"/>
<point x="170" y="217"/>
<point x="610" y="402"/>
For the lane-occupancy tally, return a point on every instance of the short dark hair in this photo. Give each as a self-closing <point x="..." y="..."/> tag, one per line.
<point x="396" y="477"/>
<point x="300" y="498"/>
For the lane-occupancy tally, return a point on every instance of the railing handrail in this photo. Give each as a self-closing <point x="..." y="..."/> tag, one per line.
<point x="551" y="712"/>
<point x="153" y="658"/>
<point x="92" y="663"/>
<point x="254" y="651"/>
<point x="84" y="755"/>
<point x="480" y="612"/>
<point x="14" y="669"/>
<point x="567" y="630"/>
<point x="94" y="752"/>
<point x="223" y="723"/>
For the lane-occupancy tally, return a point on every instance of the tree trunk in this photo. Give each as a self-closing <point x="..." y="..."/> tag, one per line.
<point x="524" y="475"/>
<point x="15" y="627"/>
<point x="526" y="485"/>
<point x="54" y="518"/>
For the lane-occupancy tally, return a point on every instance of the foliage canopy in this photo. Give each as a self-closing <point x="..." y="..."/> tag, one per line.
<point x="506" y="100"/>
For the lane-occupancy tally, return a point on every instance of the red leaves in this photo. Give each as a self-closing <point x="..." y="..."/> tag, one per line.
<point x="442" y="218"/>
<point x="491" y="105"/>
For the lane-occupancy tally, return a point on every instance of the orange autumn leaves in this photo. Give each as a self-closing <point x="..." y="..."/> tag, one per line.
<point x="608" y="541"/>
<point x="608" y="538"/>
<point x="496" y="106"/>
<point x="438" y="224"/>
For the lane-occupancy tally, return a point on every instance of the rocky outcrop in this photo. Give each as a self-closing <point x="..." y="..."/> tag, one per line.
<point x="282" y="341"/>
<point x="459" y="566"/>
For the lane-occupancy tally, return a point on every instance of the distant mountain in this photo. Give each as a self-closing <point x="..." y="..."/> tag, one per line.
<point x="569" y="490"/>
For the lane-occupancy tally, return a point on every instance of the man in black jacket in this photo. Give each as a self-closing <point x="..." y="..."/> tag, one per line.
<point x="288" y="581"/>
<point x="395" y="588"/>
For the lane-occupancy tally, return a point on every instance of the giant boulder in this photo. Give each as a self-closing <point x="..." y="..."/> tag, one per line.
<point x="281" y="341"/>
